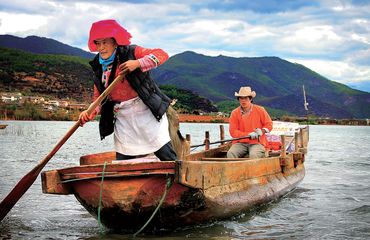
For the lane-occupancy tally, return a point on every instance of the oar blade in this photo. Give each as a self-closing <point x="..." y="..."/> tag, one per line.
<point x="22" y="186"/>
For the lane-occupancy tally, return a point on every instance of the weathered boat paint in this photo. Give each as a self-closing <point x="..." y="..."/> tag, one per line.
<point x="206" y="186"/>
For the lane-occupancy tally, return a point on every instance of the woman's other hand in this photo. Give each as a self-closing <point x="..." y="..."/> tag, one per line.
<point x="129" y="66"/>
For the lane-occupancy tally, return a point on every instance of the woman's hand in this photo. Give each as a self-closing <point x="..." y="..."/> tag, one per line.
<point x="85" y="117"/>
<point x="129" y="66"/>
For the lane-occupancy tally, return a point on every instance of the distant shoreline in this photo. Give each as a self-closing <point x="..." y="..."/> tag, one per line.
<point x="192" y="118"/>
<point x="202" y="118"/>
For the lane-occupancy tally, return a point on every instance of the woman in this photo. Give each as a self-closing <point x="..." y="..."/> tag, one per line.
<point x="136" y="108"/>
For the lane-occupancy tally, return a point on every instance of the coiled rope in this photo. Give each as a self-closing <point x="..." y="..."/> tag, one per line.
<point x="168" y="185"/>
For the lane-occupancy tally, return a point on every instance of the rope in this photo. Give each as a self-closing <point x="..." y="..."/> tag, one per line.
<point x="100" y="197"/>
<point x="168" y="185"/>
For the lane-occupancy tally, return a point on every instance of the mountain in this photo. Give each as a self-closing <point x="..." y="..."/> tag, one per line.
<point x="69" y="77"/>
<point x="59" y="76"/>
<point x="42" y="45"/>
<point x="277" y="82"/>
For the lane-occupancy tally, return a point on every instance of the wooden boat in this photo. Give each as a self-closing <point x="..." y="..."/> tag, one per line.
<point x="202" y="187"/>
<point x="3" y="126"/>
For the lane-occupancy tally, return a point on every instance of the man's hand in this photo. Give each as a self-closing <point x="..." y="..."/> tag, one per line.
<point x="258" y="131"/>
<point x="253" y="135"/>
<point x="256" y="134"/>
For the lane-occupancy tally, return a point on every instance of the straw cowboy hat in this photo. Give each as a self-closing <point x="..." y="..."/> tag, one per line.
<point x="108" y="29"/>
<point x="245" y="92"/>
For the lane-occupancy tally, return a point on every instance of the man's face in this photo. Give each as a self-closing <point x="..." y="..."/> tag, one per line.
<point x="245" y="102"/>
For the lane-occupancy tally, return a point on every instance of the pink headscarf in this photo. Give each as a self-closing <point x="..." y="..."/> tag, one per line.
<point x="108" y="29"/>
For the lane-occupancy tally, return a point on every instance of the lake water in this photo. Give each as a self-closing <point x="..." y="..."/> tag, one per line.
<point x="332" y="202"/>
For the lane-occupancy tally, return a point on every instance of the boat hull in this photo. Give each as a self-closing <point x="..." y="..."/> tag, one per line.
<point x="196" y="194"/>
<point x="130" y="213"/>
<point x="205" y="186"/>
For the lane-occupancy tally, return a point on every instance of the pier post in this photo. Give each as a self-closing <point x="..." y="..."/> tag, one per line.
<point x="222" y="133"/>
<point x="206" y="141"/>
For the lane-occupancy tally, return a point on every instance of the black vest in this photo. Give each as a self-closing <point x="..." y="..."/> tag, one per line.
<point x="141" y="82"/>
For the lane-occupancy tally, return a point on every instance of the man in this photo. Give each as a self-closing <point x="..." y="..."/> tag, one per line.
<point x="248" y="120"/>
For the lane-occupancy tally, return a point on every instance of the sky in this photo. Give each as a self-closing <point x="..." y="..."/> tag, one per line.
<point x="331" y="37"/>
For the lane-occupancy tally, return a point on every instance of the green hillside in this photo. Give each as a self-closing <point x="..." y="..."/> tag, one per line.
<point x="202" y="82"/>
<point x="278" y="84"/>
<point x="55" y="75"/>
<point x="62" y="77"/>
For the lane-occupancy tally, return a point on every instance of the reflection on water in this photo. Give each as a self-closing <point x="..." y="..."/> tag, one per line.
<point x="332" y="202"/>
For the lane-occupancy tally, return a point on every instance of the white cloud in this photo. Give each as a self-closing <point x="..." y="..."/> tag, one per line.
<point x="359" y="38"/>
<point x="310" y="40"/>
<point x="342" y="72"/>
<point x="361" y="58"/>
<point x="20" y="23"/>
<point x="331" y="37"/>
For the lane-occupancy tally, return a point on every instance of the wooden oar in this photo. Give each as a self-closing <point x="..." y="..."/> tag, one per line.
<point x="221" y="141"/>
<point x="25" y="183"/>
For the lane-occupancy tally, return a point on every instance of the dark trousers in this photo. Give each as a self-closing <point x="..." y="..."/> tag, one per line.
<point x="165" y="153"/>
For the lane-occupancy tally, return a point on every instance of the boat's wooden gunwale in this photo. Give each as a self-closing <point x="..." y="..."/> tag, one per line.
<point x="119" y="167"/>
<point x="77" y="177"/>
<point x="57" y="181"/>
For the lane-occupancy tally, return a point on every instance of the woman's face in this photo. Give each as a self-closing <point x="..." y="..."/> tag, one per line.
<point x="106" y="47"/>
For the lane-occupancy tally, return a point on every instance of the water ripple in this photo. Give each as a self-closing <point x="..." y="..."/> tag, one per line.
<point x="364" y="209"/>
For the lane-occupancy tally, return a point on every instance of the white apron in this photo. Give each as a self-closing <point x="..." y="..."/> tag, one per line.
<point x="136" y="130"/>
